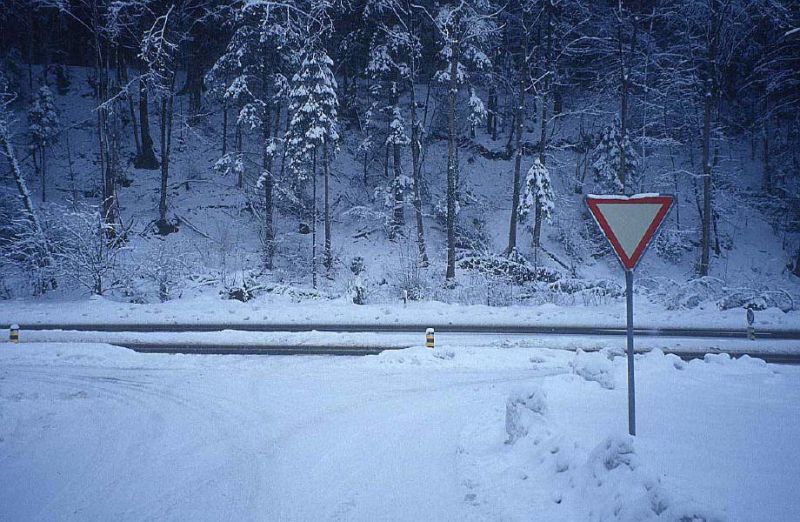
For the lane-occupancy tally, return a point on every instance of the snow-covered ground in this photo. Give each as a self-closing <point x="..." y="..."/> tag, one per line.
<point x="277" y="310"/>
<point x="95" y="432"/>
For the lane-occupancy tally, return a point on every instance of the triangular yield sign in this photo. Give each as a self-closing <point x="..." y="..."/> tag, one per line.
<point x="629" y="222"/>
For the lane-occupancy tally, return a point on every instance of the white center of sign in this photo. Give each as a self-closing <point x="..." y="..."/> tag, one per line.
<point x="629" y="222"/>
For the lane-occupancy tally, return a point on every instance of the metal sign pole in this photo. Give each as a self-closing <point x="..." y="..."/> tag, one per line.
<point x="631" y="384"/>
<point x="629" y="223"/>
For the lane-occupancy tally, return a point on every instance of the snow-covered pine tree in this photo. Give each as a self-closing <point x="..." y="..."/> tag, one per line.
<point x="313" y="129"/>
<point x="400" y="32"/>
<point x="251" y="75"/>
<point x="44" y="128"/>
<point x="477" y="111"/>
<point x="607" y="165"/>
<point x="537" y="195"/>
<point x="391" y="50"/>
<point x="231" y="164"/>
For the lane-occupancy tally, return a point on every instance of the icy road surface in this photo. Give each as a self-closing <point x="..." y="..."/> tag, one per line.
<point x="94" y="432"/>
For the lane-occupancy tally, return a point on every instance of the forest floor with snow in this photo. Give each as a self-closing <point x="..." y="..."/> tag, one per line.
<point x="96" y="432"/>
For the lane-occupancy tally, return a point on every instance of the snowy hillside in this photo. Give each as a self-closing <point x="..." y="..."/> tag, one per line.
<point x="381" y="149"/>
<point x="218" y="246"/>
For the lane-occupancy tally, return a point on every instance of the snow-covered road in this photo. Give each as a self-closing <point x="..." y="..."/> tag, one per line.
<point x="94" y="432"/>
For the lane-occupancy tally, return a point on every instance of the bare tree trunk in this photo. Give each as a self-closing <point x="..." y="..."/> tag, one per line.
<point x="452" y="162"/>
<point x="706" y="226"/>
<point x="398" y="208"/>
<point x="624" y="88"/>
<point x="73" y="185"/>
<point x="147" y="159"/>
<point x="513" y="129"/>
<point x="537" y="220"/>
<point x="416" y="167"/>
<point x="267" y="184"/>
<point x="167" y="104"/>
<point x="767" y="170"/>
<point x="519" y="125"/>
<point x="546" y="94"/>
<point x="328" y="259"/>
<point x="162" y="204"/>
<point x="675" y="178"/>
<point x="314" y="220"/>
<point x="398" y="212"/>
<point x="224" y="128"/>
<point x="193" y="86"/>
<point x="366" y="158"/>
<point x="490" y="109"/>
<point x="623" y="116"/>
<point x="491" y="116"/>
<point x="108" y="153"/>
<point x="328" y="255"/>
<point x="109" y="172"/>
<point x="136" y="133"/>
<point x="31" y="28"/>
<point x="239" y="148"/>
<point x="710" y="87"/>
<point x="122" y="73"/>
<point x="386" y="150"/>
<point x="43" y="163"/>
<point x="22" y="187"/>
<point x="796" y="270"/>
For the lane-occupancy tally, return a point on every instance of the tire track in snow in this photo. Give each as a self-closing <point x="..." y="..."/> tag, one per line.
<point x="351" y="455"/>
<point x="210" y="414"/>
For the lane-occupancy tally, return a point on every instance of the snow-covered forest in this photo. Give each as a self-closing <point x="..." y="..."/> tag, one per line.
<point x="380" y="150"/>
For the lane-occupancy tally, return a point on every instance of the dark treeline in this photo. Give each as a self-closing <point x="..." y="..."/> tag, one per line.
<point x="294" y="76"/>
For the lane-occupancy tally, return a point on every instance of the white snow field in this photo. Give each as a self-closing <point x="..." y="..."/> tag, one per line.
<point x="97" y="432"/>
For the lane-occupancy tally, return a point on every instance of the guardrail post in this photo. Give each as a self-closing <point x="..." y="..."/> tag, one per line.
<point x="429" y="338"/>
<point x="13" y="334"/>
<point x="751" y="317"/>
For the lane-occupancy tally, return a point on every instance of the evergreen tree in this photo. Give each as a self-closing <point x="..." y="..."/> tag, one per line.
<point x="395" y="66"/>
<point x="251" y="76"/>
<point x="477" y="112"/>
<point x="608" y="167"/>
<point x="538" y="194"/>
<point x="313" y="129"/>
<point x="388" y="67"/>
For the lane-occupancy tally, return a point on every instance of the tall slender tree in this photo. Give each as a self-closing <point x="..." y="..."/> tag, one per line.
<point x="159" y="50"/>
<point x="463" y="29"/>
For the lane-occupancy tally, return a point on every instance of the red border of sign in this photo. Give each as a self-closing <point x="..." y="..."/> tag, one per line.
<point x="629" y="263"/>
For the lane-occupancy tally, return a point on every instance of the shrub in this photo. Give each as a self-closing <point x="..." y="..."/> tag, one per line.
<point x="513" y="267"/>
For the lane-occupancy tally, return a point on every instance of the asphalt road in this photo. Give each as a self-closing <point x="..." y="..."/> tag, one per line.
<point x="225" y="349"/>
<point x="267" y="348"/>
<point x="499" y="329"/>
